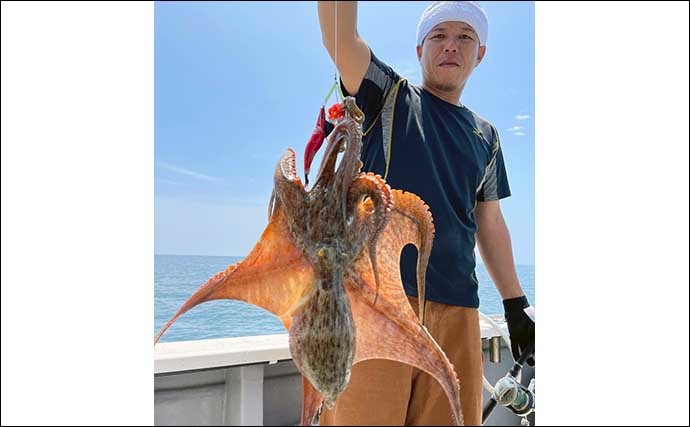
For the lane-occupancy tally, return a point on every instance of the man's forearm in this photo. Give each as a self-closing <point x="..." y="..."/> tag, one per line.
<point x="496" y="250"/>
<point x="347" y="22"/>
<point x="350" y="54"/>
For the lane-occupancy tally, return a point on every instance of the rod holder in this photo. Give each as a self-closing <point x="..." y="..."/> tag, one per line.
<point x="495" y="349"/>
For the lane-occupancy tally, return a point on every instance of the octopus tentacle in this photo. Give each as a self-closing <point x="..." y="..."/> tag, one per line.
<point x="286" y="174"/>
<point x="349" y="166"/>
<point x="288" y="189"/>
<point x="336" y="139"/>
<point x="369" y="227"/>
<point x="390" y="329"/>
<point x="275" y="276"/>
<point x="413" y="207"/>
<point x="311" y="402"/>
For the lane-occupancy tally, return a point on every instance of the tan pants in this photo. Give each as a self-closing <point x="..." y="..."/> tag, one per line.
<point x="383" y="392"/>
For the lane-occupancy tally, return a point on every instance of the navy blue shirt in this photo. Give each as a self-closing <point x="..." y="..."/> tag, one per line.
<point x="444" y="153"/>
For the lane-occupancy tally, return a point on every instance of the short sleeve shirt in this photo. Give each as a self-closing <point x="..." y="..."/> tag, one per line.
<point x="444" y="153"/>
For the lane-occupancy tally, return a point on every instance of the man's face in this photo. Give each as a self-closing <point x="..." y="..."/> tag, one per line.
<point x="449" y="54"/>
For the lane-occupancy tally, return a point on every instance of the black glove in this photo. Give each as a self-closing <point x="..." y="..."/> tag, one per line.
<point x="520" y="326"/>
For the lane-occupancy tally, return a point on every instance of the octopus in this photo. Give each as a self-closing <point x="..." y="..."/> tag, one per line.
<point x="327" y="265"/>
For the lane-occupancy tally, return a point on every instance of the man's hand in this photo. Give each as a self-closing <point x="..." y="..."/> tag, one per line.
<point x="520" y="326"/>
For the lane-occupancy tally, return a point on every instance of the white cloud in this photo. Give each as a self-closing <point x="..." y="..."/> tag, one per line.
<point x="516" y="130"/>
<point x="187" y="172"/>
<point x="522" y="117"/>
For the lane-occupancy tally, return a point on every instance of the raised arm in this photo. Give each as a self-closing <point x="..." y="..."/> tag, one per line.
<point x="352" y="52"/>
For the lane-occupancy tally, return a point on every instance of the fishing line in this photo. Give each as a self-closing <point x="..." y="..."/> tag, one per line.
<point x="335" y="59"/>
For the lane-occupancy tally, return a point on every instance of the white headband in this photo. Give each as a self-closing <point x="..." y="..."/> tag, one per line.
<point x="443" y="11"/>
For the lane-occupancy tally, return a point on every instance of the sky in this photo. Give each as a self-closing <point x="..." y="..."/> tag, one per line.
<point x="237" y="83"/>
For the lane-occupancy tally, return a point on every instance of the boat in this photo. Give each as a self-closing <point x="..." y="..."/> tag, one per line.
<point x="253" y="380"/>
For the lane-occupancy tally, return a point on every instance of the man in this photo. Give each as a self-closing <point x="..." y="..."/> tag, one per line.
<point x="423" y="140"/>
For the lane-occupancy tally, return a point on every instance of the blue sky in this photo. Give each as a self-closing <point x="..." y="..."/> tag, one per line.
<point x="238" y="83"/>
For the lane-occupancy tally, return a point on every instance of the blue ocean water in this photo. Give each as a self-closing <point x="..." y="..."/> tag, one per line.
<point x="176" y="277"/>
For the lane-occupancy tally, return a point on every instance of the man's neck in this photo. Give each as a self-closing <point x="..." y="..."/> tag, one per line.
<point x="452" y="96"/>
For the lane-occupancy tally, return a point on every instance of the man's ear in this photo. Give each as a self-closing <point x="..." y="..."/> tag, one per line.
<point x="480" y="54"/>
<point x="419" y="53"/>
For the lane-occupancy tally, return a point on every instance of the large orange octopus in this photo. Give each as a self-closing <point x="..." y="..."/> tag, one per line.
<point x="327" y="265"/>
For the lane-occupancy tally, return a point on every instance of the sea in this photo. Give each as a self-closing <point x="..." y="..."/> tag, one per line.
<point x="176" y="277"/>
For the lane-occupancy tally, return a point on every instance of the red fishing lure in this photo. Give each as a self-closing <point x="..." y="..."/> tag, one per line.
<point x="314" y="143"/>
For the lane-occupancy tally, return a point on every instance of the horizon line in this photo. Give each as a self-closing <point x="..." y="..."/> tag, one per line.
<point x="244" y="256"/>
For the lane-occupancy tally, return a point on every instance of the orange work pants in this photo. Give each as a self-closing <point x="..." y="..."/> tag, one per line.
<point x="384" y="392"/>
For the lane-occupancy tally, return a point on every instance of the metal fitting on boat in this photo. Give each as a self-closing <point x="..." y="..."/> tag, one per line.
<point x="495" y="349"/>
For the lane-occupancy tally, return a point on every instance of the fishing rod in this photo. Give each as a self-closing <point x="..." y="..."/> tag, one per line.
<point x="511" y="394"/>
